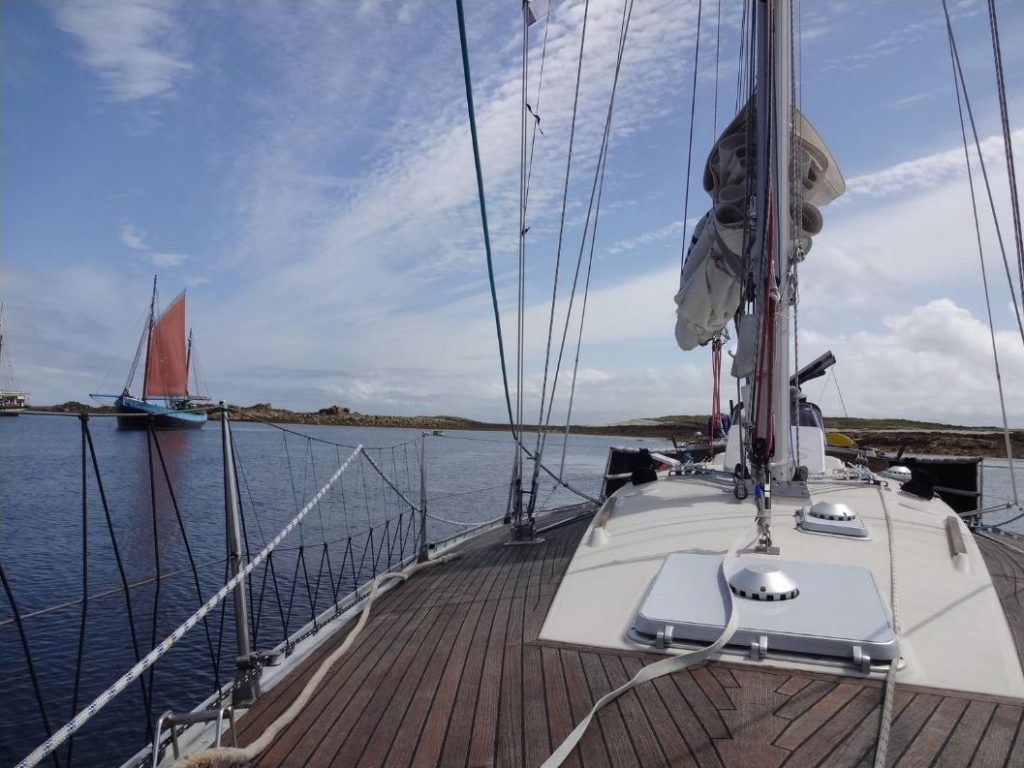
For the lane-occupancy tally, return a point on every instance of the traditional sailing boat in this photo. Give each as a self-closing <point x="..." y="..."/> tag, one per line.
<point x="12" y="400"/>
<point x="165" y="375"/>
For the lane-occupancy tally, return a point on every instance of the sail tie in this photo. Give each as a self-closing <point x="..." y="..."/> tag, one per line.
<point x="716" y="393"/>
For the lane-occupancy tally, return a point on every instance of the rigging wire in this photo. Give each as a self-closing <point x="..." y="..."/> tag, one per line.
<point x="689" y="151"/>
<point x="583" y="318"/>
<point x="997" y="53"/>
<point x="718" y="48"/>
<point x="483" y="208"/>
<point x="743" y="69"/>
<point x="593" y="212"/>
<point x="984" y="170"/>
<point x="796" y="255"/>
<point x="960" y="85"/>
<point x="521" y="304"/>
<point x="561" y="234"/>
<point x="535" y="109"/>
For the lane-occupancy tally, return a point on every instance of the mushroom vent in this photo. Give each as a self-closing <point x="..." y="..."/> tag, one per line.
<point x="763" y="581"/>
<point x="831" y="510"/>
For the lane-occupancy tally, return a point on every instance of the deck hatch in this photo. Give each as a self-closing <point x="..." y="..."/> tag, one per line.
<point x="833" y="518"/>
<point x="838" y="613"/>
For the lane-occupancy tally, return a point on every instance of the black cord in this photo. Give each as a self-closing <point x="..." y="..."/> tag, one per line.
<point x="28" y="659"/>
<point x="83" y="418"/>
<point x="117" y="557"/>
<point x="214" y="658"/>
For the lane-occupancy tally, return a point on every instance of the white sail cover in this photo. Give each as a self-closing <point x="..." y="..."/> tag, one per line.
<point x="709" y="292"/>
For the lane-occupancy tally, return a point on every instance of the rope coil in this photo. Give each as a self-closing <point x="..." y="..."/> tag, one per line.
<point x="226" y="757"/>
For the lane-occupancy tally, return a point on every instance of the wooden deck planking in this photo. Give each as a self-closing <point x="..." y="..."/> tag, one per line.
<point x="556" y="697"/>
<point x="455" y="747"/>
<point x="821" y="742"/>
<point x="861" y="742"/>
<point x="449" y="672"/>
<point x="671" y="740"/>
<point x="997" y="742"/>
<point x="753" y="724"/>
<point x="1007" y="570"/>
<point x="592" y="750"/>
<point x="929" y="741"/>
<point x="448" y="722"/>
<point x="613" y="726"/>
<point x="814" y="718"/>
<point x="693" y="731"/>
<point x="536" y="737"/>
<point x="332" y="716"/>
<point x="958" y="752"/>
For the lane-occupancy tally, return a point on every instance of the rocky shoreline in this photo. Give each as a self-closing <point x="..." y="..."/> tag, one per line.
<point x="924" y="439"/>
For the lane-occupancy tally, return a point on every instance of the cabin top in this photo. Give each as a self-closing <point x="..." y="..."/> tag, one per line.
<point x="650" y="547"/>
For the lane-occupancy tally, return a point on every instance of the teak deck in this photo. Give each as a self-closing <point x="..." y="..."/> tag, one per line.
<point x="448" y="672"/>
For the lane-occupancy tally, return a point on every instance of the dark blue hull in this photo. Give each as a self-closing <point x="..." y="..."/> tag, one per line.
<point x="162" y="416"/>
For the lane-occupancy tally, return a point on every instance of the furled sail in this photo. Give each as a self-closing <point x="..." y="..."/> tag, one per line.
<point x="709" y="292"/>
<point x="166" y="360"/>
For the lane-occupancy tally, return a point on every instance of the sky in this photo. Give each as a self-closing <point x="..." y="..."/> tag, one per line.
<point x="304" y="170"/>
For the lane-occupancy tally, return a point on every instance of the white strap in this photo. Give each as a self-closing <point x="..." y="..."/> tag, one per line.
<point x="659" y="668"/>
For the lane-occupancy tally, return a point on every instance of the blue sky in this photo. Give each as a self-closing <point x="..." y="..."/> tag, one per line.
<point x="304" y="169"/>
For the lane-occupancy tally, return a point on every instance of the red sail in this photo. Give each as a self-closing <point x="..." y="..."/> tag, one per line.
<point x="166" y="364"/>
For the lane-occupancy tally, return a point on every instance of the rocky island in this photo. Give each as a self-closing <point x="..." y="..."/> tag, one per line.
<point x="889" y="435"/>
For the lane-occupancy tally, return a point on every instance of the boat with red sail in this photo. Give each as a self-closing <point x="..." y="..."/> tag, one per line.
<point x="165" y="392"/>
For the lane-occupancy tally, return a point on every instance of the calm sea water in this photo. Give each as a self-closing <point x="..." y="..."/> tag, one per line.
<point x="42" y="550"/>
<point x="361" y="527"/>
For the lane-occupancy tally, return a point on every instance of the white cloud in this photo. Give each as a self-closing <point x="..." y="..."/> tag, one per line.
<point x="167" y="260"/>
<point x="135" y="48"/>
<point x="355" y="263"/>
<point x="932" y="361"/>
<point x="925" y="172"/>
<point x="76" y="330"/>
<point x="135" y="238"/>
<point x="669" y="231"/>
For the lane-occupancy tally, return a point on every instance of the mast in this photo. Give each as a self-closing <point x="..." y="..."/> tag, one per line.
<point x="762" y="426"/>
<point x="149" y="338"/>
<point x="774" y="239"/>
<point x="781" y="115"/>
<point x="188" y="360"/>
<point x="770" y="447"/>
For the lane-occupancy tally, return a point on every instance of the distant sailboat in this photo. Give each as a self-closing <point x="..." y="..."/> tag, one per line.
<point x="165" y="375"/>
<point x="12" y="401"/>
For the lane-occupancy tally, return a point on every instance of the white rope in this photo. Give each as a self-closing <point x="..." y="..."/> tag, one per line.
<point x="387" y="480"/>
<point x="226" y="757"/>
<point x="60" y="736"/>
<point x="659" y="668"/>
<point x="468" y="524"/>
<point x="885" y="726"/>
